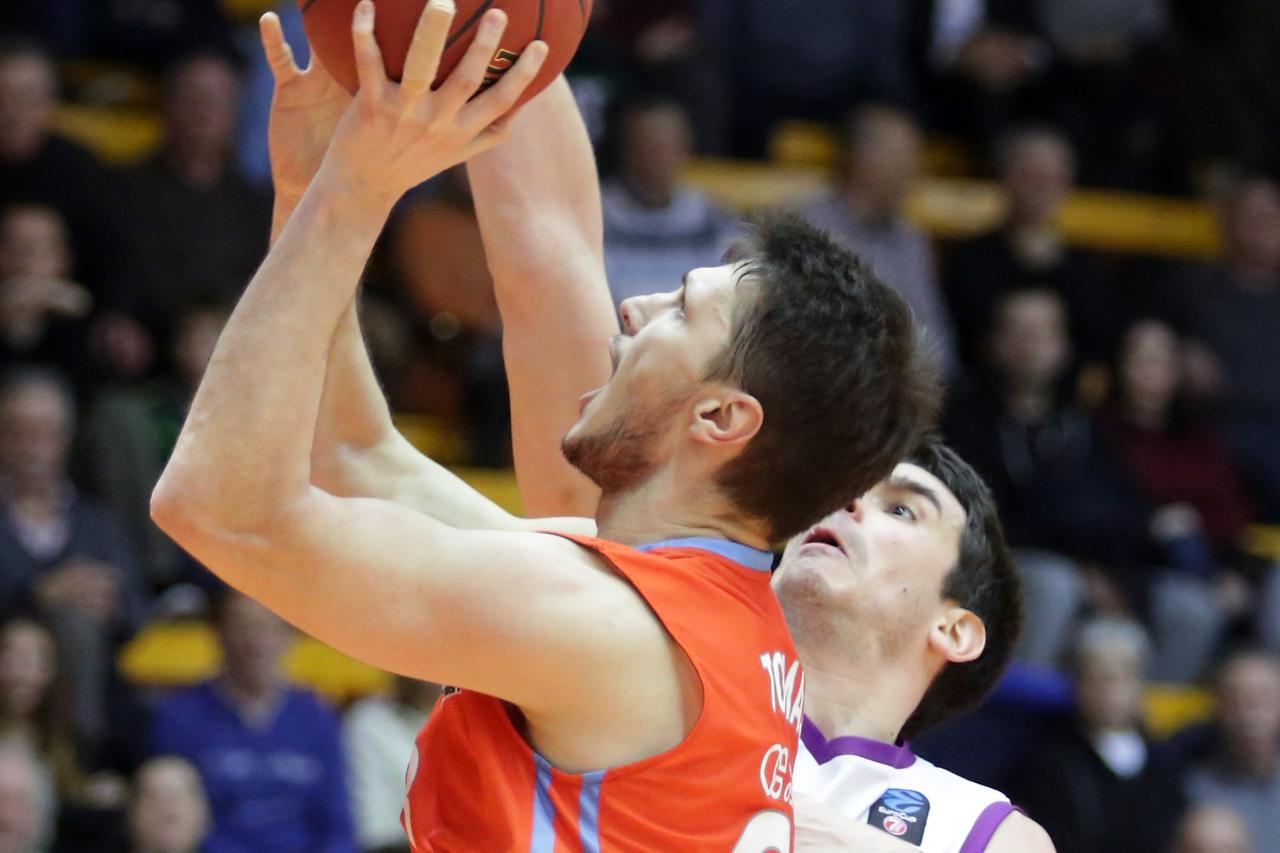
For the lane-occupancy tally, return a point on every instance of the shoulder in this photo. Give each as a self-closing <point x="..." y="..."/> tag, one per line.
<point x="1018" y="833"/>
<point x="976" y="795"/>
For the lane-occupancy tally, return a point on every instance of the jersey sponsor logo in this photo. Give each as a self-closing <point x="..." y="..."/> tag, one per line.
<point x="901" y="813"/>
<point x="775" y="773"/>
<point x="786" y="687"/>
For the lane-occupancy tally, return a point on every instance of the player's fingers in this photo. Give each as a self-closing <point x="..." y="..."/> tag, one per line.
<point x="279" y="54"/>
<point x="369" y="68"/>
<point x="467" y="78"/>
<point x="423" y="59"/>
<point x="493" y="105"/>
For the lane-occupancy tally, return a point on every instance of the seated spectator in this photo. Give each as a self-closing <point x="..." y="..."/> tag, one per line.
<point x="1183" y="469"/>
<point x="807" y="61"/>
<point x="1213" y="829"/>
<point x="1243" y="773"/>
<point x="33" y="709"/>
<point x="129" y="433"/>
<point x="193" y="226"/>
<point x="37" y="165"/>
<point x="1018" y="425"/>
<point x="656" y="228"/>
<point x="879" y="160"/>
<point x="26" y="807"/>
<point x="1233" y="309"/>
<point x="42" y="311"/>
<point x="1174" y="456"/>
<point x="1037" y="170"/>
<point x="168" y="811"/>
<point x="380" y="733"/>
<point x="142" y="32"/>
<point x="985" y="63"/>
<point x="270" y="755"/>
<point x="1102" y="784"/>
<point x="60" y="552"/>
<point x="1112" y="95"/>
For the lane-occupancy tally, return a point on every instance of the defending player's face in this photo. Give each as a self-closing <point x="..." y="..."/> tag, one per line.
<point x="628" y="427"/>
<point x="874" y="570"/>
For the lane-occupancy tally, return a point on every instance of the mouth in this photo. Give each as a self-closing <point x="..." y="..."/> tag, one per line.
<point x="587" y="398"/>
<point x="823" y="536"/>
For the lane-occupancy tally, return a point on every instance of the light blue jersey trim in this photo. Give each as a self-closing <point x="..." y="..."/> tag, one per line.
<point x="743" y="555"/>
<point x="543" y="837"/>
<point x="589" y="811"/>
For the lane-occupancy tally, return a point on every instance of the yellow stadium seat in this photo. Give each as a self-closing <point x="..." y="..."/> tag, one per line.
<point x="1172" y="707"/>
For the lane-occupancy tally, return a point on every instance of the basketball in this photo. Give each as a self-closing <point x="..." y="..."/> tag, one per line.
<point x="560" y="23"/>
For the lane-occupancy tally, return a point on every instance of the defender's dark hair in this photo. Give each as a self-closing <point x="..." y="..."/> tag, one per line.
<point x="984" y="580"/>
<point x="831" y="353"/>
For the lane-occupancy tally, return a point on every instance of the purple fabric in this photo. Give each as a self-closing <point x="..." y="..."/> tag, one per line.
<point x="985" y="827"/>
<point x="824" y="750"/>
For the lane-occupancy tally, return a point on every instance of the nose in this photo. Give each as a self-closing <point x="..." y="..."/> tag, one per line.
<point x="855" y="510"/>
<point x="637" y="311"/>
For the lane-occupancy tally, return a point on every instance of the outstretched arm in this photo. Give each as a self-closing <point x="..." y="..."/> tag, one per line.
<point x="357" y="451"/>
<point x="515" y="615"/>
<point x="537" y="198"/>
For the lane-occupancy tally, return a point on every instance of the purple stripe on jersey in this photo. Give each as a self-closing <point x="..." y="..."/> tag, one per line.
<point x="823" y="750"/>
<point x="985" y="827"/>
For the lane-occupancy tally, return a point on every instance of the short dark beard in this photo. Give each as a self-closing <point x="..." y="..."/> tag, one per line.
<point x="622" y="456"/>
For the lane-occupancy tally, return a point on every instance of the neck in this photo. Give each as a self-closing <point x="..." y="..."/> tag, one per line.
<point x="1028" y="403"/>
<point x="1257" y="763"/>
<point x="1254" y="276"/>
<point x="197" y="165"/>
<point x="867" y="207"/>
<point x="867" y="702"/>
<point x="253" y="701"/>
<point x="35" y="491"/>
<point x="662" y="508"/>
<point x="1037" y="242"/>
<point x="1152" y="417"/>
<point x="650" y="195"/>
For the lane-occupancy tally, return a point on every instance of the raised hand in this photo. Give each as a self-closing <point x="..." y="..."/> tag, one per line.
<point x="394" y="136"/>
<point x="305" y="110"/>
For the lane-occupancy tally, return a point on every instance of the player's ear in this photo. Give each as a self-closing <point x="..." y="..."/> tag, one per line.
<point x="727" y="419"/>
<point x="959" y="635"/>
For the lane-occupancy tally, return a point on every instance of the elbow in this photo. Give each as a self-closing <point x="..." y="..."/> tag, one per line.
<point x="173" y="508"/>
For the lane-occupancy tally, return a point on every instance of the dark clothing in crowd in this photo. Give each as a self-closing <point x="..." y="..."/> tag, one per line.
<point x="1087" y="807"/>
<point x="981" y="270"/>
<point x="67" y="177"/>
<point x="1242" y="329"/>
<point x="89" y="532"/>
<point x="1056" y="486"/>
<point x="187" y="243"/>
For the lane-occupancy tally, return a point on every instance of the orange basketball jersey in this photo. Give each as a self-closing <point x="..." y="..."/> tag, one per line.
<point x="476" y="786"/>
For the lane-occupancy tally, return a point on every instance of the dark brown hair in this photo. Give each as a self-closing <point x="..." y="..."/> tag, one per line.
<point x="831" y="353"/>
<point x="984" y="581"/>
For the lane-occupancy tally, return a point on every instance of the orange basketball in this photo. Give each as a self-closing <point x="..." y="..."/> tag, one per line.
<point x="560" y="23"/>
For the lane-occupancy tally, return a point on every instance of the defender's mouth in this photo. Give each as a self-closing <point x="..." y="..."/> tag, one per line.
<point x="824" y="536"/>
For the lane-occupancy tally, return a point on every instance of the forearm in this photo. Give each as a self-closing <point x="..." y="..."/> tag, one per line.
<point x="245" y="449"/>
<point x="358" y="452"/>
<point x="538" y="203"/>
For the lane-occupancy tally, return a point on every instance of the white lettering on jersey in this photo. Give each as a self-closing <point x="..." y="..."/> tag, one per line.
<point x="786" y="685"/>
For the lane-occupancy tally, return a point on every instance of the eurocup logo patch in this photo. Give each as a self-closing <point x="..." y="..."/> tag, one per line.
<point x="901" y="813"/>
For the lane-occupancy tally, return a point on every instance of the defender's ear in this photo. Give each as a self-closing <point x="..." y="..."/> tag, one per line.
<point x="958" y="635"/>
<point x="727" y="420"/>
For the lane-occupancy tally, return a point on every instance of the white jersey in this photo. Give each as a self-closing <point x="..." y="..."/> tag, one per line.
<point x="888" y="787"/>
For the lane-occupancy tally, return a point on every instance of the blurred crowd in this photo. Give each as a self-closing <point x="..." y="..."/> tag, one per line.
<point x="1124" y="409"/>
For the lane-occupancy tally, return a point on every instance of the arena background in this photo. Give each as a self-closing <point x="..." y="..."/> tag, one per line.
<point x="1077" y="197"/>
